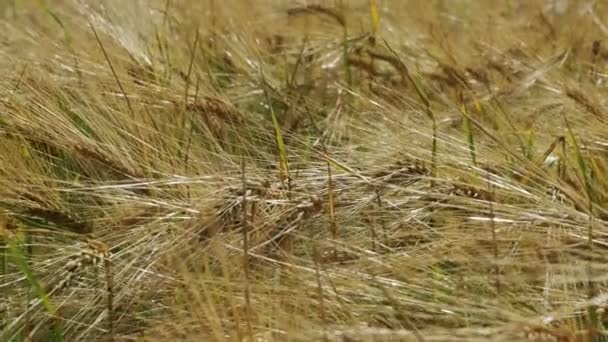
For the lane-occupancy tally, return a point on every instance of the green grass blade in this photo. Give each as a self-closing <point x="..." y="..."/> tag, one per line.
<point x="21" y="262"/>
<point x="530" y="145"/>
<point x="283" y="161"/>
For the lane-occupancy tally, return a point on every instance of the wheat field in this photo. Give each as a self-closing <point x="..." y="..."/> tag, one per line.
<point x="273" y="170"/>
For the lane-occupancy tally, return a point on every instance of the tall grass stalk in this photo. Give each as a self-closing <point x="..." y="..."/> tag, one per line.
<point x="280" y="143"/>
<point x="245" y="232"/>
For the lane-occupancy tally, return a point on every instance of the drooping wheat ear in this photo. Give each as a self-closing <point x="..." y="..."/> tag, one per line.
<point x="364" y="64"/>
<point x="402" y="173"/>
<point x="320" y="10"/>
<point x="394" y="61"/>
<point x="470" y="192"/>
<point x="117" y="167"/>
<point x="220" y="109"/>
<point x="282" y="231"/>
<point x="215" y="115"/>
<point x="228" y="211"/>
<point x="587" y="103"/>
<point x="47" y="144"/>
<point x="540" y="333"/>
<point x="57" y="217"/>
<point x="91" y="254"/>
